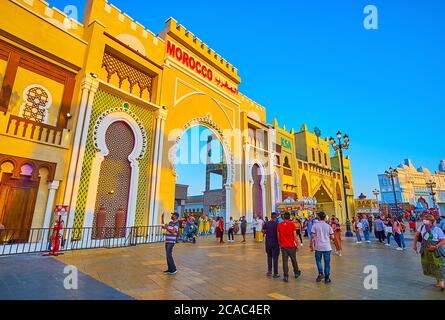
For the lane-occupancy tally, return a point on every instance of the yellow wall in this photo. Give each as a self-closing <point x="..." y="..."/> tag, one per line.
<point x="41" y="201"/>
<point x="79" y="47"/>
<point x="3" y="64"/>
<point x="25" y="78"/>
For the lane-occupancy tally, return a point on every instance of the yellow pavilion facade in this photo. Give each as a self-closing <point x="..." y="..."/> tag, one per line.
<point x="92" y="113"/>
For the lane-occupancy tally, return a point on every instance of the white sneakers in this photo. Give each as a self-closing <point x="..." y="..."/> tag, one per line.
<point x="399" y="249"/>
<point x="358" y="242"/>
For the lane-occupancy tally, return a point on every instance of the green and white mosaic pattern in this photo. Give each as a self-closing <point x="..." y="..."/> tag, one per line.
<point x="103" y="102"/>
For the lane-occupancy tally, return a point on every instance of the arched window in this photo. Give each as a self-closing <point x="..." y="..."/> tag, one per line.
<point x="319" y="156"/>
<point x="36" y="102"/>
<point x="286" y="162"/>
<point x="313" y="154"/>
<point x="338" y="191"/>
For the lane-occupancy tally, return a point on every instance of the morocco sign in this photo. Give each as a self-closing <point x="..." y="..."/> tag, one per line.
<point x="199" y="67"/>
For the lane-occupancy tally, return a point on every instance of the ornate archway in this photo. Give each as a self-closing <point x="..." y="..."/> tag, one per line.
<point x="211" y="125"/>
<point x="103" y="123"/>
<point x="208" y="123"/>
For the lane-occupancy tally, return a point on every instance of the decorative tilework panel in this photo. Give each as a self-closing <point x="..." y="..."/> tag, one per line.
<point x="104" y="101"/>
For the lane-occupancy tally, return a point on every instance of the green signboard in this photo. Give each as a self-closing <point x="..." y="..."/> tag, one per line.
<point x="286" y="143"/>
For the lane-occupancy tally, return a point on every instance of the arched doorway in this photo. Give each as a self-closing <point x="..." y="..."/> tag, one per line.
<point x="114" y="182"/>
<point x="325" y="202"/>
<point x="201" y="173"/>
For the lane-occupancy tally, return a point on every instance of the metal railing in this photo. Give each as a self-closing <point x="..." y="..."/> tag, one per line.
<point x="18" y="241"/>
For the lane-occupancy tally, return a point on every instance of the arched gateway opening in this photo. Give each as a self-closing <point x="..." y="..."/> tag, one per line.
<point x="325" y="202"/>
<point x="201" y="174"/>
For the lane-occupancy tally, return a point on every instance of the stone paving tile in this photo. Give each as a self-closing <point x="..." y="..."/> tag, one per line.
<point x="211" y="271"/>
<point x="33" y="277"/>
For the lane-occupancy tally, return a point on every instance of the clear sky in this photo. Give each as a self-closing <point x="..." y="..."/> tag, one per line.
<point x="312" y="61"/>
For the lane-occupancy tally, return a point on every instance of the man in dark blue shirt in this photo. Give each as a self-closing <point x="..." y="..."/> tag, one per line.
<point x="272" y="246"/>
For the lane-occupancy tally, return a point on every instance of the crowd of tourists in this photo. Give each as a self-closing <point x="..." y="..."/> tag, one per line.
<point x="283" y="233"/>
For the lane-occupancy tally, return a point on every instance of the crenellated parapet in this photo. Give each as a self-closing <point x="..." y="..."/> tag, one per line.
<point x="197" y="45"/>
<point x="252" y="108"/>
<point x="66" y="20"/>
<point x="124" y="28"/>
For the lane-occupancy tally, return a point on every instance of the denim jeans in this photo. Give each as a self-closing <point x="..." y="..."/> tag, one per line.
<point x="231" y="233"/>
<point x="169" y="253"/>
<point x="327" y="263"/>
<point x="273" y="252"/>
<point x="402" y="240"/>
<point x="359" y="237"/>
<point x="291" y="253"/>
<point x="381" y="236"/>
<point x="398" y="240"/>
<point x="366" y="234"/>
<point x="388" y="238"/>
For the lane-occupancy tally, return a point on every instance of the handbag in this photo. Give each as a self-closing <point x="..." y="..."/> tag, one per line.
<point x="388" y="229"/>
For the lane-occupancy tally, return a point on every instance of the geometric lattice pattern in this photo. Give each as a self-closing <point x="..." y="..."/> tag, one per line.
<point x="114" y="65"/>
<point x="104" y="101"/>
<point x="115" y="174"/>
<point x="36" y="106"/>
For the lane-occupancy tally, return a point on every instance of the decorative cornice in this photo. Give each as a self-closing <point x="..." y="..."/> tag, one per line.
<point x="131" y="114"/>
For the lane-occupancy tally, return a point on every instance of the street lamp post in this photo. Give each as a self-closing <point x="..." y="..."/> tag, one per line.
<point x="376" y="194"/>
<point x="339" y="146"/>
<point x="431" y="184"/>
<point x="391" y="174"/>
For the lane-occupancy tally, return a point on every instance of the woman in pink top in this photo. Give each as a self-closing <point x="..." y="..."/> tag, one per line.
<point x="397" y="232"/>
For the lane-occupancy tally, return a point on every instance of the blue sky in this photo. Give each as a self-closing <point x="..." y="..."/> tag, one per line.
<point x="312" y="61"/>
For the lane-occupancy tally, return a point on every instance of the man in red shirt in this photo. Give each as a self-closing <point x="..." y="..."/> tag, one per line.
<point x="289" y="243"/>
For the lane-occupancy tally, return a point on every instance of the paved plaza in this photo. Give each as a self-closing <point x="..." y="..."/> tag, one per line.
<point x="208" y="270"/>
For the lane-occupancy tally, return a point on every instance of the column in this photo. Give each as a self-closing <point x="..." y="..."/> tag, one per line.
<point x="163" y="117"/>
<point x="228" y="188"/>
<point x="76" y="142"/>
<point x="90" y="85"/>
<point x="263" y="197"/>
<point x="157" y="166"/>
<point x="271" y="138"/>
<point x="53" y="187"/>
<point x="248" y="183"/>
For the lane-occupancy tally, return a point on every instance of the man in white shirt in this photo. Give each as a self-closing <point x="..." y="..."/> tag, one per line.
<point x="322" y="234"/>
